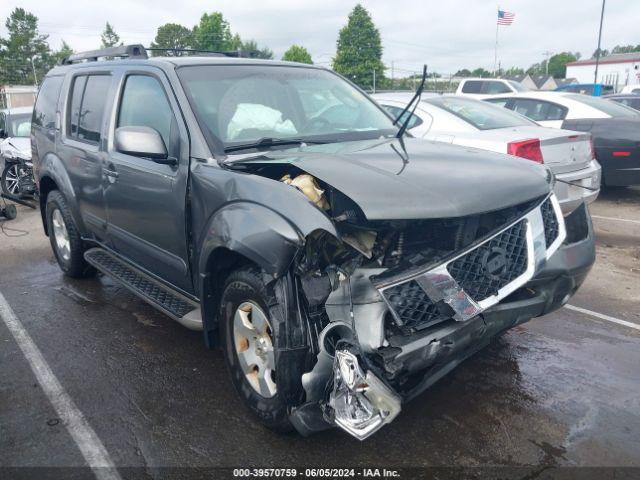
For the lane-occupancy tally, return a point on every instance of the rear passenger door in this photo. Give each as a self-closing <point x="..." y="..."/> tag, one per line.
<point x="146" y="200"/>
<point x="83" y="143"/>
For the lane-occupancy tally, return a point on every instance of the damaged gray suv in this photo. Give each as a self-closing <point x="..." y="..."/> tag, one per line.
<point x="342" y="266"/>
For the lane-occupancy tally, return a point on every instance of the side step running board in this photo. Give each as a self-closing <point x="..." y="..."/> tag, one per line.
<point x="165" y="299"/>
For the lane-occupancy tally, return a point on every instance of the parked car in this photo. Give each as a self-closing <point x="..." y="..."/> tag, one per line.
<point x="15" y="151"/>
<point x="473" y="123"/>
<point x="615" y="128"/>
<point x="631" y="100"/>
<point x="342" y="268"/>
<point x="485" y="87"/>
<point x="593" y="89"/>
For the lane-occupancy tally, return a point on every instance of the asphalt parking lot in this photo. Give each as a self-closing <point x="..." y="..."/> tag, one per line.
<point x="560" y="390"/>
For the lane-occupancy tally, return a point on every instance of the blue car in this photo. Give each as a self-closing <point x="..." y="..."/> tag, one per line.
<point x="593" y="89"/>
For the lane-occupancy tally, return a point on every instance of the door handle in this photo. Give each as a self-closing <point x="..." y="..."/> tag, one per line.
<point x="110" y="173"/>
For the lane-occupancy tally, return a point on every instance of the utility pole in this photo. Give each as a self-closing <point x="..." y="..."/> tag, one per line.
<point x="595" y="75"/>
<point x="547" y="55"/>
<point x="495" y="51"/>
<point x="374" y="80"/>
<point x="35" y="78"/>
<point x="392" y="75"/>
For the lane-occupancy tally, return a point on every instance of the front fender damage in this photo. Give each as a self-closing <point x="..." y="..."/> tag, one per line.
<point x="370" y="348"/>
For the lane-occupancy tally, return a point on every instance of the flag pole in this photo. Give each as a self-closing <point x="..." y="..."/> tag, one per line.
<point x="495" y="51"/>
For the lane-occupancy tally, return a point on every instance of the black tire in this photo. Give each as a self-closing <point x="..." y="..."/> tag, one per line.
<point x="245" y="285"/>
<point x="3" y="180"/>
<point x="75" y="265"/>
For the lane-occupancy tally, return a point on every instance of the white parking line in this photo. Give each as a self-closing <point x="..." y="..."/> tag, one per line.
<point x="88" y="442"/>
<point x="616" y="219"/>
<point x="602" y="316"/>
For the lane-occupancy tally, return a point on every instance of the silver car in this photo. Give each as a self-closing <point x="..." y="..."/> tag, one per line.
<point x="472" y="123"/>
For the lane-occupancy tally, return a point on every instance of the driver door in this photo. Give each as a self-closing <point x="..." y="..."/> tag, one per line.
<point x="146" y="200"/>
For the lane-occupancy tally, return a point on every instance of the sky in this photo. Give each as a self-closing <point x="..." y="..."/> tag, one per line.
<point x="446" y="35"/>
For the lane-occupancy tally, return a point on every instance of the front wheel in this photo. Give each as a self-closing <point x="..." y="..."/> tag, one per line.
<point x="65" y="238"/>
<point x="11" y="179"/>
<point x="250" y="343"/>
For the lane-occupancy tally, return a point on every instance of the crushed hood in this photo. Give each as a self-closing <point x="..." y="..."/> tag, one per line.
<point x="422" y="180"/>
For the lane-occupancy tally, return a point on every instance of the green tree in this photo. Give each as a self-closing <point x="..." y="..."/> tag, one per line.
<point x="172" y="36"/>
<point x="462" y="73"/>
<point x="359" y="49"/>
<point x="480" y="72"/>
<point x="109" y="37"/>
<point x="252" y="47"/>
<point x="214" y="33"/>
<point x="603" y="53"/>
<point x="513" y="71"/>
<point x="625" y="49"/>
<point x="65" y="51"/>
<point x="297" y="53"/>
<point x="558" y="63"/>
<point x="25" y="56"/>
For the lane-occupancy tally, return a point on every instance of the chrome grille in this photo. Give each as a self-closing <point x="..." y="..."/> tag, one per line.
<point x="550" y="221"/>
<point x="412" y="307"/>
<point x="479" y="277"/>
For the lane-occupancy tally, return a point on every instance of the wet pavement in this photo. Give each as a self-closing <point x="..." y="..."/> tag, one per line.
<point x="560" y="390"/>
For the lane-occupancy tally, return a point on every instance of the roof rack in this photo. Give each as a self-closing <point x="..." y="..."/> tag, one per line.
<point x="209" y="53"/>
<point x="138" y="51"/>
<point x="123" y="51"/>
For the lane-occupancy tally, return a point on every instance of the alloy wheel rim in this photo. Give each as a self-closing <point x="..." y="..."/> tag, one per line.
<point x="252" y="339"/>
<point x="61" y="235"/>
<point x="12" y="180"/>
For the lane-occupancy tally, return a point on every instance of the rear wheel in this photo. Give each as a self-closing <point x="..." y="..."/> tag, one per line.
<point x="65" y="238"/>
<point x="250" y="343"/>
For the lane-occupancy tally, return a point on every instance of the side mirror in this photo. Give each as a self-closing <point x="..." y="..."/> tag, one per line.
<point x="3" y="134"/>
<point x="142" y="142"/>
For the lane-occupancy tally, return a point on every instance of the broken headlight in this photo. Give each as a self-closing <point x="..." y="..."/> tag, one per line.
<point x="361" y="402"/>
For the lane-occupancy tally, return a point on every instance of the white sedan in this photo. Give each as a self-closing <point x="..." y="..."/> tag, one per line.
<point x="473" y="123"/>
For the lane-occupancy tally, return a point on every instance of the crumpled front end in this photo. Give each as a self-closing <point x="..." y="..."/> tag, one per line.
<point x="391" y="332"/>
<point x="388" y="306"/>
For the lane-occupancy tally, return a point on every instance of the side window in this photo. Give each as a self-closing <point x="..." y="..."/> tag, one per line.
<point x="92" y="107"/>
<point x="44" y="111"/>
<point x="144" y="104"/>
<point x="89" y="95"/>
<point x="77" y="90"/>
<point x="492" y="87"/>
<point x="501" y="102"/>
<point x="395" y="111"/>
<point x="555" y="112"/>
<point x="539" y="110"/>
<point x="472" y="86"/>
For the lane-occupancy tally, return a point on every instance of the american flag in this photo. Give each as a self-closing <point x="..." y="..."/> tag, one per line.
<point x="505" y="18"/>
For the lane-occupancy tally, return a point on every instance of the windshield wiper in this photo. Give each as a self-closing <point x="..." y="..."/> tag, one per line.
<point x="267" y="142"/>
<point x="414" y="101"/>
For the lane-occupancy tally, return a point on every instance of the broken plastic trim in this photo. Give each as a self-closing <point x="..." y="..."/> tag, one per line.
<point x="361" y="402"/>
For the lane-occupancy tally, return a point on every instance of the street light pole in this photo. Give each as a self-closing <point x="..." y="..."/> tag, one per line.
<point x="595" y="75"/>
<point x="35" y="78"/>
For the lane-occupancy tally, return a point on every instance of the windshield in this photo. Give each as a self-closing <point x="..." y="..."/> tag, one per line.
<point x="240" y="104"/>
<point x="606" y="106"/>
<point x="481" y="115"/>
<point x="20" y="125"/>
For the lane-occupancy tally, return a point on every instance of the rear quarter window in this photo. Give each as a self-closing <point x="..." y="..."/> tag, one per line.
<point x="472" y="86"/>
<point x="44" y="112"/>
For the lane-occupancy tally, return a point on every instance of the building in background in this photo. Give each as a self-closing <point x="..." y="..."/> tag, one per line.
<point x="14" y="96"/>
<point x="617" y="70"/>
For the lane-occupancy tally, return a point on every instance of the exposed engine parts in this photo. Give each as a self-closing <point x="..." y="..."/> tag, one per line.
<point x="384" y="300"/>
